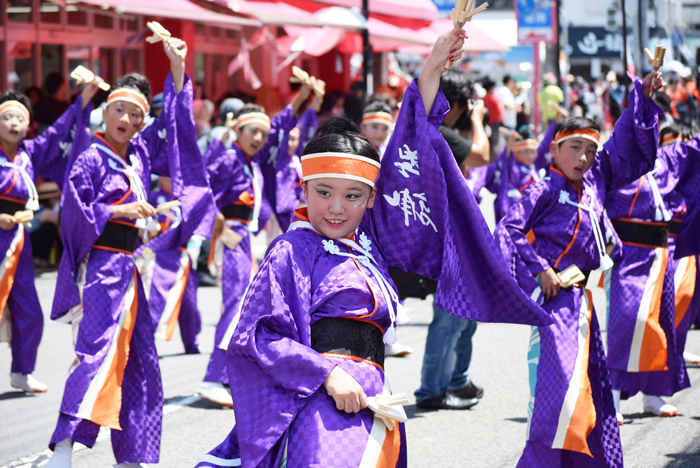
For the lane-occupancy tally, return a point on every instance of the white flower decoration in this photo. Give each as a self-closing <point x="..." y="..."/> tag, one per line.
<point x="330" y="247"/>
<point x="564" y="197"/>
<point x="365" y="242"/>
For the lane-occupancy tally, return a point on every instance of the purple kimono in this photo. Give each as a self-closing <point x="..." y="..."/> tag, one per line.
<point x="572" y="415"/>
<point x="644" y="343"/>
<point x="508" y="178"/>
<point x="173" y="291"/>
<point x="247" y="195"/>
<point x="115" y="379"/>
<point x="308" y="124"/>
<point x="424" y="220"/>
<point x="22" y="324"/>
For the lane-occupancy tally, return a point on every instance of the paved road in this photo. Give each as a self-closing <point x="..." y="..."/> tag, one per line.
<point x="490" y="435"/>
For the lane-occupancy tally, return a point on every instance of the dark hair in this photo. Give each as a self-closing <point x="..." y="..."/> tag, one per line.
<point x="574" y="123"/>
<point x="358" y="86"/>
<point x="12" y="95"/>
<point x="340" y="135"/>
<point x="33" y="89"/>
<point x="377" y="106"/>
<point x="457" y="86"/>
<point x="53" y="82"/>
<point x="135" y="81"/>
<point x="330" y="99"/>
<point x="675" y="129"/>
<point x="249" y="109"/>
<point x="663" y="100"/>
<point x="506" y="79"/>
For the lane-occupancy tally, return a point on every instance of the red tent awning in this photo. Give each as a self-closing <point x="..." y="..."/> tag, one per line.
<point x="477" y="39"/>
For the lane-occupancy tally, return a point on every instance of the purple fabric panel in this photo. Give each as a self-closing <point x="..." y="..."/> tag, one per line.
<point x="688" y="240"/>
<point x="430" y="224"/>
<point x="544" y="158"/>
<point x="308" y="124"/>
<point x="627" y="283"/>
<point x="237" y="268"/>
<point x="70" y="134"/>
<point x="226" y="174"/>
<point x="164" y="277"/>
<point x="27" y="318"/>
<point x="190" y="320"/>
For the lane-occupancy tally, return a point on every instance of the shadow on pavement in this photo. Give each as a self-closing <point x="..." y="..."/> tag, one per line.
<point x="689" y="458"/>
<point x="13" y="395"/>
<point x="517" y="420"/>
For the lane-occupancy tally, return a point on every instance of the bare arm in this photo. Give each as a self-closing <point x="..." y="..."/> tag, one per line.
<point x="448" y="46"/>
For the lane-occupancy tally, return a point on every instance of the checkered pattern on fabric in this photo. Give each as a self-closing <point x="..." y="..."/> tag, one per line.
<point x="142" y="394"/>
<point x="460" y="252"/>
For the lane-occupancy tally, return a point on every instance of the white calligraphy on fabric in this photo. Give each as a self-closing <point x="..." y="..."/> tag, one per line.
<point x="409" y="163"/>
<point x="408" y="205"/>
<point x="274" y="150"/>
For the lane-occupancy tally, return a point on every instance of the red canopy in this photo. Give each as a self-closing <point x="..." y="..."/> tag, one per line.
<point x="477" y="39"/>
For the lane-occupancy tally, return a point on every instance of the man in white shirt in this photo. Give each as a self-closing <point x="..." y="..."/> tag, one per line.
<point x="510" y="111"/>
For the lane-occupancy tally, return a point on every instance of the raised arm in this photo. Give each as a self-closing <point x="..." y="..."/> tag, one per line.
<point x="631" y="150"/>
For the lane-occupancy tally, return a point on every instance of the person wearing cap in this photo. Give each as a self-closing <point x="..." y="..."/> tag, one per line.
<point x="115" y="379"/>
<point x="250" y="182"/>
<point x="306" y="359"/>
<point x="156" y="106"/>
<point x="650" y="292"/>
<point x="227" y="110"/>
<point x="21" y="161"/>
<point x="557" y="225"/>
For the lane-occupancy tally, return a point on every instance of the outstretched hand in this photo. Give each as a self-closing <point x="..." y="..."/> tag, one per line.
<point x="176" y="50"/>
<point x="89" y="90"/>
<point x="447" y="47"/>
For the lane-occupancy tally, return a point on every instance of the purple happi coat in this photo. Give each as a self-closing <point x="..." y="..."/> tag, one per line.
<point x="555" y="225"/>
<point x="23" y="322"/>
<point x="508" y="178"/>
<point x="424" y="220"/>
<point x="173" y="289"/>
<point x="308" y="124"/>
<point x="238" y="180"/>
<point x="115" y="379"/>
<point x="645" y="345"/>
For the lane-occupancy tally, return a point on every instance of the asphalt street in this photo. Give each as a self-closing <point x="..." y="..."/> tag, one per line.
<point x="492" y="434"/>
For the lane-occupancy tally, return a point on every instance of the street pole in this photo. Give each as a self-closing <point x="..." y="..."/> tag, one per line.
<point x="367" y="52"/>
<point x="558" y="61"/>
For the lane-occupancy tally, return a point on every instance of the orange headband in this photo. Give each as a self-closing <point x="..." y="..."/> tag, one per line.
<point x="525" y="144"/>
<point x="585" y="133"/>
<point x="129" y="95"/>
<point x="378" y="117"/>
<point x="340" y="166"/>
<point x="14" y="105"/>
<point x="254" y="117"/>
<point x="671" y="139"/>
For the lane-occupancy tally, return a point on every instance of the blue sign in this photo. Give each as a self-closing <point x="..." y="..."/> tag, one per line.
<point x="444" y="6"/>
<point x="537" y="21"/>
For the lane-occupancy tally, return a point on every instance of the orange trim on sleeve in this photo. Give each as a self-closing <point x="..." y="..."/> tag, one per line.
<point x="583" y="419"/>
<point x="353" y="358"/>
<point x="634" y="200"/>
<point x="8" y="279"/>
<point x="108" y="404"/>
<point x="652" y="356"/>
<point x="685" y="292"/>
<point x="112" y="249"/>
<point x="170" y="327"/>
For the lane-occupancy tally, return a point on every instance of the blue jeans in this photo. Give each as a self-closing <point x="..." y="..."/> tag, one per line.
<point x="448" y="354"/>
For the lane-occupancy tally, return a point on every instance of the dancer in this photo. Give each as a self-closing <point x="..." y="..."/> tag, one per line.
<point x="308" y="349"/>
<point x="377" y="122"/>
<point x="571" y="411"/>
<point x="115" y="379"/>
<point x="172" y="296"/>
<point x="21" y="161"/>
<point x="250" y="181"/>
<point x="645" y="345"/>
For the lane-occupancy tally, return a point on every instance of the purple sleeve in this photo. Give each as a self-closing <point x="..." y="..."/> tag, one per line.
<point x="688" y="239"/>
<point x="186" y="168"/>
<point x="308" y="124"/>
<point x="82" y="222"/>
<point x="226" y="175"/>
<point x="70" y="134"/>
<point x="156" y="135"/>
<point x="270" y="361"/>
<point x="631" y="150"/>
<point x="275" y="165"/>
<point x="544" y="158"/>
<point x="426" y="221"/>
<point x="518" y="222"/>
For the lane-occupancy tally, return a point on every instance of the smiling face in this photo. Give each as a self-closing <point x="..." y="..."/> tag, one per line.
<point x="376" y="133"/>
<point x="574" y="157"/>
<point x="336" y="206"/>
<point x="252" y="137"/>
<point x="122" y="121"/>
<point x="13" y="127"/>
